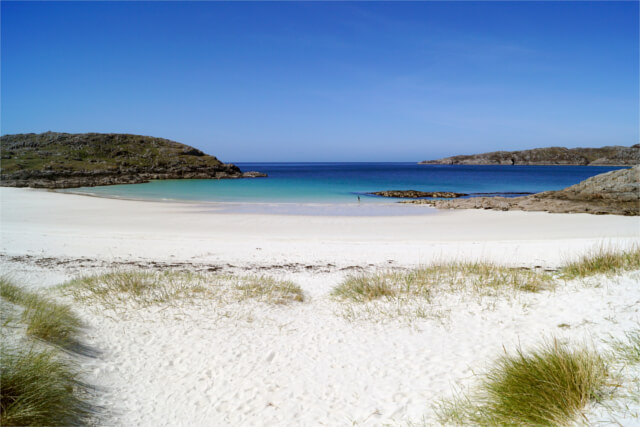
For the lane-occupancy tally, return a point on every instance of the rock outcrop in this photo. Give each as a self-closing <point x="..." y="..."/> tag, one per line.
<point x="413" y="194"/>
<point x="616" y="192"/>
<point x="605" y="156"/>
<point x="63" y="160"/>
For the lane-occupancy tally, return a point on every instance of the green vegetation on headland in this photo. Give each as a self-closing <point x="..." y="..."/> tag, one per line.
<point x="64" y="160"/>
<point x="605" y="156"/>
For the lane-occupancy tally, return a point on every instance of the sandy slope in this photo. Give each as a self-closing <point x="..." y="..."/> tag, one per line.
<point x="305" y="364"/>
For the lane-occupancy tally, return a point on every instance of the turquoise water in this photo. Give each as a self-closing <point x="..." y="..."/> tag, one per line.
<point x="335" y="184"/>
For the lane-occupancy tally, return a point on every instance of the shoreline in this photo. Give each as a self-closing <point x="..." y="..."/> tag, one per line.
<point x="277" y="208"/>
<point x="73" y="225"/>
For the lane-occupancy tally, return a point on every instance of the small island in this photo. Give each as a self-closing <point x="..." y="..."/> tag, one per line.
<point x="604" y="156"/>
<point x="67" y="160"/>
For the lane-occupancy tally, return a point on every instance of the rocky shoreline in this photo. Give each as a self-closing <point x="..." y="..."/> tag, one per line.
<point x="61" y="160"/>
<point x="74" y="179"/>
<point x="613" y="193"/>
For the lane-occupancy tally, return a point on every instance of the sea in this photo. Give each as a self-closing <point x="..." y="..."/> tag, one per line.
<point x="343" y="188"/>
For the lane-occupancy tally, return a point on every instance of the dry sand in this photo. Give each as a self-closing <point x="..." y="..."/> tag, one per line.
<point x="306" y="364"/>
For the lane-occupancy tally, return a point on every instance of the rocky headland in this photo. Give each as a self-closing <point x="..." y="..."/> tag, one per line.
<point x="605" y="156"/>
<point x="413" y="194"/>
<point x="616" y="193"/>
<point x="65" y="160"/>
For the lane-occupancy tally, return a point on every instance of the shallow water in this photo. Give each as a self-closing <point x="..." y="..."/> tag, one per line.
<point x="317" y="188"/>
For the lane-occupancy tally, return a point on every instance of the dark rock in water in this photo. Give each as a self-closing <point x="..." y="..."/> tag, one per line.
<point x="616" y="193"/>
<point x="63" y="160"/>
<point x="254" y="174"/>
<point x="413" y="194"/>
<point x="605" y="156"/>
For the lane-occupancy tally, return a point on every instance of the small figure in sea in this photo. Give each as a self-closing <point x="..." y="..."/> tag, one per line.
<point x="358" y="199"/>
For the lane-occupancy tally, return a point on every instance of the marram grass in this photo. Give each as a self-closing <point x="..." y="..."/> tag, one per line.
<point x="39" y="389"/>
<point x="120" y="289"/>
<point x="628" y="349"/>
<point x="483" y="278"/>
<point x="548" y="386"/>
<point x="367" y="287"/>
<point x="44" y="318"/>
<point x="603" y="260"/>
<point x="268" y="289"/>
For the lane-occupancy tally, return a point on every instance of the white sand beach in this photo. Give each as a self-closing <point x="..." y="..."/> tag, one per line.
<point x="251" y="363"/>
<point x="44" y="223"/>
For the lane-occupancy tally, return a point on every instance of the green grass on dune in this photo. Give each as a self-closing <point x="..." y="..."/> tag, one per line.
<point x="38" y="383"/>
<point x="126" y="287"/>
<point x="44" y="319"/>
<point x="483" y="278"/>
<point x="602" y="260"/>
<point x="119" y="289"/>
<point x="39" y="389"/>
<point x="548" y="386"/>
<point x="410" y="293"/>
<point x="268" y="289"/>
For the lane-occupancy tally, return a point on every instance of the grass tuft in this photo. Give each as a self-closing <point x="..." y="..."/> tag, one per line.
<point x="39" y="389"/>
<point x="141" y="288"/>
<point x="603" y="260"/>
<point x="546" y="387"/>
<point x="268" y="289"/>
<point x="44" y="318"/>
<point x="120" y="289"/>
<point x="367" y="287"/>
<point x="483" y="278"/>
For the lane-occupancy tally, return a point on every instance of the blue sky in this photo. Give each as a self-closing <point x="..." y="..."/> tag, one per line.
<point x="335" y="81"/>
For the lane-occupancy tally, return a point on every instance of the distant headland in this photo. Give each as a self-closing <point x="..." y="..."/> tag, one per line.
<point x="606" y="156"/>
<point x="67" y="160"/>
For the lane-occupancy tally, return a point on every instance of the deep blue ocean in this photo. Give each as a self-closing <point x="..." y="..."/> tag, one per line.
<point x="342" y="183"/>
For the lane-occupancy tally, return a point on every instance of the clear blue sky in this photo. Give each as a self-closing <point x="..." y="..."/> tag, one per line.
<point x="306" y="81"/>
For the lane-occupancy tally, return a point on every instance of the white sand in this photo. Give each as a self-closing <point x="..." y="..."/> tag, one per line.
<point x="53" y="224"/>
<point x="304" y="364"/>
